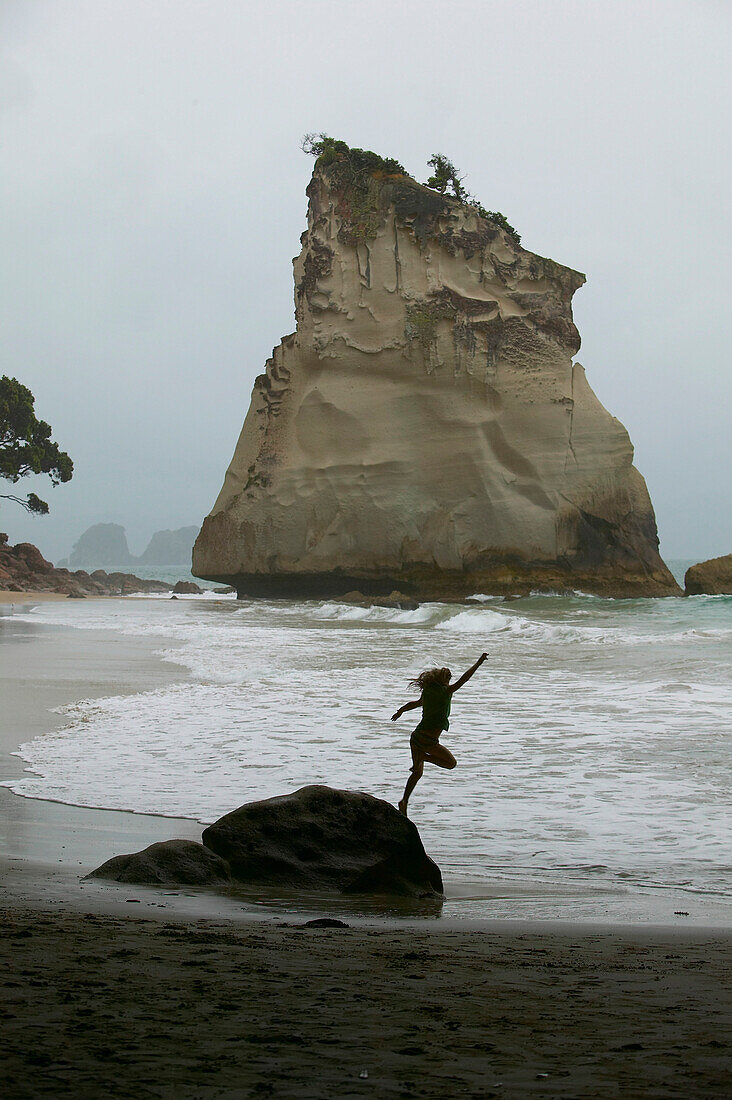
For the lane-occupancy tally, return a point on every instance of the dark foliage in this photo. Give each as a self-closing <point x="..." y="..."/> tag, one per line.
<point x="357" y="174"/>
<point x="346" y="164"/>
<point x="445" y="175"/>
<point x="26" y="446"/>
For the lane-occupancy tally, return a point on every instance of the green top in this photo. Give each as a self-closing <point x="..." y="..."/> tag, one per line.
<point x="436" y="700"/>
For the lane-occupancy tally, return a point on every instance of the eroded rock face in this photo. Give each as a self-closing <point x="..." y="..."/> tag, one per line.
<point x="710" y="578"/>
<point x="321" y="838"/>
<point x="169" y="862"/>
<point x="425" y="428"/>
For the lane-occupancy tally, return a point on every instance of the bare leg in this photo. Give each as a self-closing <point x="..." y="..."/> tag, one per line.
<point x="439" y="756"/>
<point x="442" y="757"/>
<point x="414" y="777"/>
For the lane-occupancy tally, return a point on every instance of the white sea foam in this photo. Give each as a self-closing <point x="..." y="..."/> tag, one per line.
<point x="350" y="613"/>
<point x="578" y="745"/>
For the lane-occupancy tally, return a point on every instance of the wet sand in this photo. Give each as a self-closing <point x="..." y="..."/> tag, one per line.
<point x="119" y="991"/>
<point x="21" y="599"/>
<point x="97" y="1006"/>
<point x="42" y="668"/>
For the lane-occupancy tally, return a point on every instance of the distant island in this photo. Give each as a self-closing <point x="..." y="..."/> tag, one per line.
<point x="105" y="544"/>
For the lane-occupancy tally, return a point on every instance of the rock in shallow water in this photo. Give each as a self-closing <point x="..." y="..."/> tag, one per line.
<point x="710" y="578"/>
<point x="186" y="588"/>
<point x="169" y="862"/>
<point x="321" y="838"/>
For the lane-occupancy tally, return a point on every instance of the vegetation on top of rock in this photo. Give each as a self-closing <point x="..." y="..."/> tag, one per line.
<point x="357" y="173"/>
<point x="445" y="175"/>
<point x="360" y="172"/>
<point x="26" y="446"/>
<point x="346" y="165"/>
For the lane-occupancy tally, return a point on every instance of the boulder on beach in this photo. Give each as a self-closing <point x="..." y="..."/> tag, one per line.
<point x="710" y="578"/>
<point x="186" y="588"/>
<point x="170" y="863"/>
<point x="320" y="838"/>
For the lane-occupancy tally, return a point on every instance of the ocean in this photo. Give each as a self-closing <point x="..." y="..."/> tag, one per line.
<point x="592" y="747"/>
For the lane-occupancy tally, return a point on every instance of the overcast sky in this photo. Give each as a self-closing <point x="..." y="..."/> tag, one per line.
<point x="152" y="198"/>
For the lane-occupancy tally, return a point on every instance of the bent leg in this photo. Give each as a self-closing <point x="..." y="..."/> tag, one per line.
<point x="442" y="757"/>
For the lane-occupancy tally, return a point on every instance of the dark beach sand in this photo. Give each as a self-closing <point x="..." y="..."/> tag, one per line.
<point x="193" y="997"/>
<point x="97" y="1006"/>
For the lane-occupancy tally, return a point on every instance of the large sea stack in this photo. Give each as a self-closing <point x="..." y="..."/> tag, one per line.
<point x="425" y="427"/>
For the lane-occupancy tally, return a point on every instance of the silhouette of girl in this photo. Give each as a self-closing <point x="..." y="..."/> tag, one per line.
<point x="436" y="694"/>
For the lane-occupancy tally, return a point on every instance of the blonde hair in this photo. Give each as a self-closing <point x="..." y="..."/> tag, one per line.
<point x="431" y="676"/>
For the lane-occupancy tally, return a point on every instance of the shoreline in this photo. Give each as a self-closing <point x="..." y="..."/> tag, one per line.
<point x="50" y="669"/>
<point x="57" y="842"/>
<point x="120" y="990"/>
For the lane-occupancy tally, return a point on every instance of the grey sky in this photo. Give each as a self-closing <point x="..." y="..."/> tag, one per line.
<point x="152" y="196"/>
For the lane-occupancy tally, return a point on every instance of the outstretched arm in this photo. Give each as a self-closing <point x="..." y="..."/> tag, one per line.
<point x="466" y="675"/>
<point x="407" y="706"/>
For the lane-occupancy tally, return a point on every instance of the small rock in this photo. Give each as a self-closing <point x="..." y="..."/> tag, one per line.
<point x="186" y="588"/>
<point x="325" y="922"/>
<point x="169" y="861"/>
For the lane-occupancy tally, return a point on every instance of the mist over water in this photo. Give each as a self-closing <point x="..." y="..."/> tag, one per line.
<point x="592" y="747"/>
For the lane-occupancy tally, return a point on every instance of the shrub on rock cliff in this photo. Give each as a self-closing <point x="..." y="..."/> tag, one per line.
<point x="347" y="164"/>
<point x="26" y="446"/>
<point x="445" y="175"/>
<point x="357" y="174"/>
<point x="359" y="171"/>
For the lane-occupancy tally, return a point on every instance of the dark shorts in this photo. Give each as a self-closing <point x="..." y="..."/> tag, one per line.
<point x="425" y="740"/>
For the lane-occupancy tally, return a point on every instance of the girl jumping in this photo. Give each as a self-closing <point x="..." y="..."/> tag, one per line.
<point x="436" y="694"/>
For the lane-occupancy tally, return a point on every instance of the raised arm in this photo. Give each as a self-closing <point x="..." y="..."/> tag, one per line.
<point x="407" y="706"/>
<point x="466" y="675"/>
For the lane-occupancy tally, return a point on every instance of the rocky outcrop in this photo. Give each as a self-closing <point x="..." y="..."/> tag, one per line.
<point x="105" y="544"/>
<point x="102" y="545"/>
<point x="169" y="548"/>
<point x="186" y="588"/>
<point x="317" y="838"/>
<point x="426" y="428"/>
<point x="24" y="569"/>
<point x="321" y="838"/>
<point x="170" y="862"/>
<point x="710" y="578"/>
